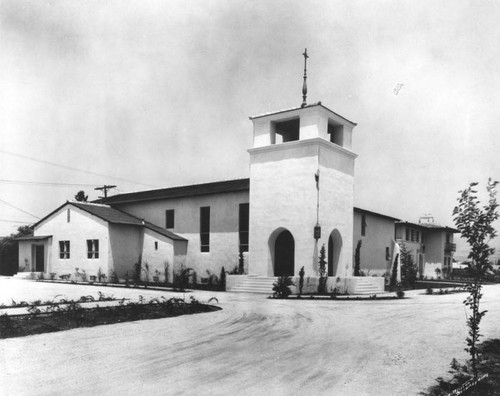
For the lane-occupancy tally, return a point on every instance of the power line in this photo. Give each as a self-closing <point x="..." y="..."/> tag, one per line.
<point x="72" y="168"/>
<point x="52" y="184"/>
<point x="15" y="207"/>
<point x="15" y="221"/>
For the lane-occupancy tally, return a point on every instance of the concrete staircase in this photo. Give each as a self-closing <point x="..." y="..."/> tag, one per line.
<point x="255" y="284"/>
<point x="25" y="275"/>
<point x="364" y="286"/>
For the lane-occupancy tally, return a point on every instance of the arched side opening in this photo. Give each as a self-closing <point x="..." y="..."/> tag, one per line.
<point x="334" y="249"/>
<point x="282" y="248"/>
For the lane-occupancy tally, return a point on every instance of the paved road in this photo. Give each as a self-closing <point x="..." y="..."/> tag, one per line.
<point x="253" y="346"/>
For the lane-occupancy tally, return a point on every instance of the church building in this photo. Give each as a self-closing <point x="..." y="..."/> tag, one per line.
<point x="299" y="197"/>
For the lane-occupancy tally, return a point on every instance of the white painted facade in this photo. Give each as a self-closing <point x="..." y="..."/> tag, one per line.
<point x="120" y="246"/>
<point x="224" y="236"/>
<point x="284" y="194"/>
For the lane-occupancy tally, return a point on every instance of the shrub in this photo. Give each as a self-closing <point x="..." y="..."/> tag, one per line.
<point x="241" y="263"/>
<point x="114" y="278"/>
<point x="357" y="259"/>
<point x="223" y="279"/>
<point x="101" y="277"/>
<point x="408" y="268"/>
<point x="429" y="291"/>
<point x="301" y="280"/>
<point x="400" y="293"/>
<point x="181" y="279"/>
<point x="52" y="275"/>
<point x="281" y="287"/>
<point x="322" y="271"/>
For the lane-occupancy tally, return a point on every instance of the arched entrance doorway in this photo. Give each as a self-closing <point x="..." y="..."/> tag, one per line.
<point x="284" y="254"/>
<point x="334" y="249"/>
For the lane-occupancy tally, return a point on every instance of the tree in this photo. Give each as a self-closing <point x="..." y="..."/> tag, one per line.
<point x="475" y="223"/>
<point x="322" y="271"/>
<point x="81" y="197"/>
<point x="408" y="269"/>
<point x="9" y="252"/>
<point x="357" y="259"/>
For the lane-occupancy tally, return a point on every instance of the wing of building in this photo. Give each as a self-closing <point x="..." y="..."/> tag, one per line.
<point x="298" y="198"/>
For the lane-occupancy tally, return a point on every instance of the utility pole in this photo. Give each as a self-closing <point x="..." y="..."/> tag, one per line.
<point x="105" y="188"/>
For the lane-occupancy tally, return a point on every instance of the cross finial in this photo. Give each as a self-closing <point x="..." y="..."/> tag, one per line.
<point x="304" y="85"/>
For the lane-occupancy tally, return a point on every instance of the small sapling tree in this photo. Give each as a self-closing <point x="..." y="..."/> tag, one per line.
<point x="357" y="259"/>
<point x="301" y="280"/>
<point x="222" y="279"/>
<point x="408" y="268"/>
<point x="322" y="271"/>
<point x="475" y="223"/>
<point x="241" y="263"/>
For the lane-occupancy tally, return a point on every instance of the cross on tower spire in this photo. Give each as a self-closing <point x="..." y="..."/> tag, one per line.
<point x="304" y="85"/>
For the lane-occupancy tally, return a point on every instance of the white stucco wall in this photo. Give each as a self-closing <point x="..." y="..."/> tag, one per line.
<point x="224" y="238"/>
<point x="82" y="226"/>
<point x="379" y="235"/>
<point x="25" y="256"/>
<point x="125" y="249"/>
<point x="283" y="195"/>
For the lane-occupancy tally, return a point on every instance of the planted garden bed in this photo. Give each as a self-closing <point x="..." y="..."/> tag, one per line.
<point x="47" y="318"/>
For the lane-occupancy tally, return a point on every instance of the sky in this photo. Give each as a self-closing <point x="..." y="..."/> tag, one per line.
<point x="156" y="94"/>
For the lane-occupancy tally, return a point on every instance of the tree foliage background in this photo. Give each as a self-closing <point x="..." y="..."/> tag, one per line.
<point x="9" y="252"/>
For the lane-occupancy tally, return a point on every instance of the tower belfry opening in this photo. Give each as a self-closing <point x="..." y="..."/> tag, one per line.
<point x="286" y="131"/>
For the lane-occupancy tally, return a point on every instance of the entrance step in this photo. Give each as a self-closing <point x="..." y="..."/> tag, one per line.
<point x="254" y="284"/>
<point x="365" y="286"/>
<point x="26" y="275"/>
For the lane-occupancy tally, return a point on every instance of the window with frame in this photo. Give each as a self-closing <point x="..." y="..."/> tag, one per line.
<point x="407" y="234"/>
<point x="412" y="233"/>
<point x="64" y="248"/>
<point x="363" y="225"/>
<point x="243" y="226"/>
<point x="387" y="253"/>
<point x="417" y="236"/>
<point x="68" y="216"/>
<point x="169" y="218"/>
<point x="205" y="229"/>
<point x="93" y="248"/>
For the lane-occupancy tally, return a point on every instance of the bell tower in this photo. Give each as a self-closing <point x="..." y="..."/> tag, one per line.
<point x="301" y="191"/>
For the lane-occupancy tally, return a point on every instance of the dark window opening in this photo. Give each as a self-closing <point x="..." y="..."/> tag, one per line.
<point x="68" y="216"/>
<point x="244" y="226"/>
<point x="407" y="234"/>
<point x="363" y="225"/>
<point x="92" y="248"/>
<point x="287" y="131"/>
<point x="336" y="134"/>
<point x="205" y="229"/>
<point x="156" y="245"/>
<point x="387" y="253"/>
<point x="64" y="249"/>
<point x="169" y="218"/>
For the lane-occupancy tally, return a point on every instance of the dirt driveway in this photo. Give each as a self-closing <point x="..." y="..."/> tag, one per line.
<point x="253" y="346"/>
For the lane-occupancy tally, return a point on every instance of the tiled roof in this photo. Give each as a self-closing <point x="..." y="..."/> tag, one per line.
<point x="298" y="108"/>
<point x="356" y="209"/>
<point x="115" y="216"/>
<point x="180" y="192"/>
<point x="33" y="238"/>
<point x="108" y="213"/>
<point x="430" y="226"/>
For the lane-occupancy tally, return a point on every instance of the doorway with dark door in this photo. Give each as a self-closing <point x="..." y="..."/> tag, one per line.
<point x="39" y="258"/>
<point x="284" y="254"/>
